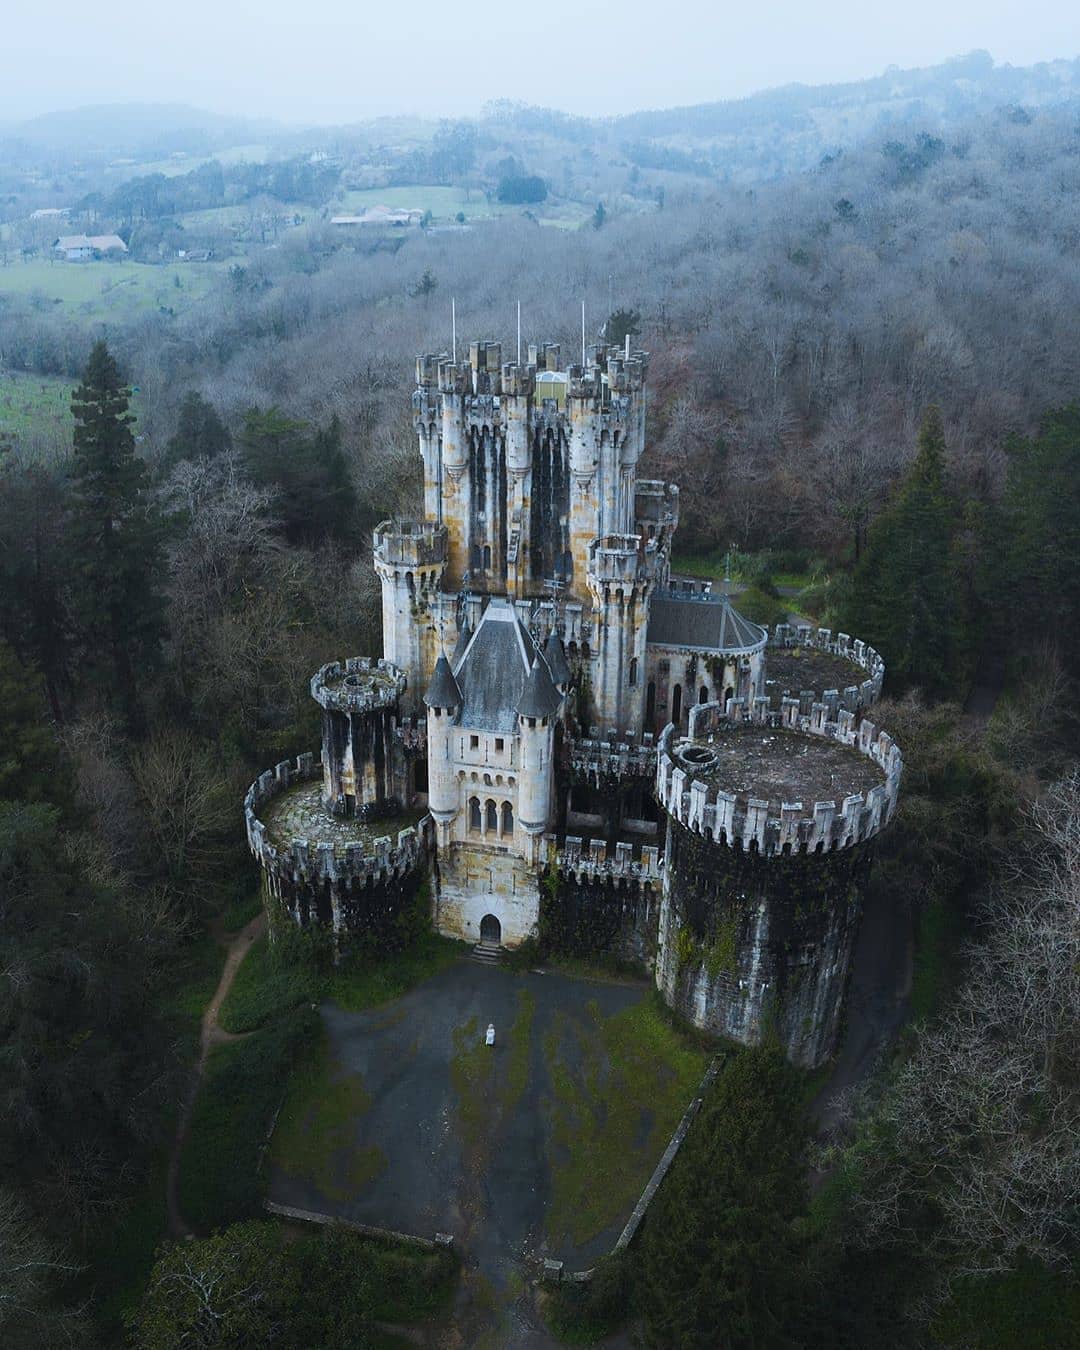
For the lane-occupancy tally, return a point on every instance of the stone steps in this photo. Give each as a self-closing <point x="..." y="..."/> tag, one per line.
<point x="487" y="953"/>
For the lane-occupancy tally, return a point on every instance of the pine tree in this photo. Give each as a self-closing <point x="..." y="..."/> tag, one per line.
<point x="29" y="767"/>
<point x="719" y="1255"/>
<point x="116" y="539"/>
<point x="905" y="597"/>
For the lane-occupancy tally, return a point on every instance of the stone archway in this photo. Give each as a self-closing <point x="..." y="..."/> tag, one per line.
<point x="490" y="929"/>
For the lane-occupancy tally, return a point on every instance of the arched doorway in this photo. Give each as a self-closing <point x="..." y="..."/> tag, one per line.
<point x="490" y="929"/>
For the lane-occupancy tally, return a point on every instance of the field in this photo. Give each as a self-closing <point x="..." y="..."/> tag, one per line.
<point x="34" y="405"/>
<point x="97" y="290"/>
<point x="444" y="203"/>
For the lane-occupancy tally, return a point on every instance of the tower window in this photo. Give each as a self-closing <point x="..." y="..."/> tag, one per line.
<point x="499" y="744"/>
<point x="676" y="704"/>
<point x="487" y="557"/>
<point x="474" y="813"/>
<point x="633" y="671"/>
<point x="491" y="822"/>
<point x="474" y="742"/>
<point x="507" y="818"/>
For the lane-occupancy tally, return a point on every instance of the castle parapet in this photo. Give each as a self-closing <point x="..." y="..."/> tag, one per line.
<point x="357" y="685"/>
<point x="596" y="761"/>
<point x="691" y="772"/>
<point x="622" y="558"/>
<point x="298" y="862"/>
<point x="410" y="543"/>
<point x="855" y="696"/>
<point x="589" y="859"/>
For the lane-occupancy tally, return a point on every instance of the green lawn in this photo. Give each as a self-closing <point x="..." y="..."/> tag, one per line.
<point x="445" y="202"/>
<point x="103" y="289"/>
<point x="613" y="1112"/>
<point x="35" y="404"/>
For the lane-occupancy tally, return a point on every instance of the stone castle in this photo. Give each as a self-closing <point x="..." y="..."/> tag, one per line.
<point x="566" y="741"/>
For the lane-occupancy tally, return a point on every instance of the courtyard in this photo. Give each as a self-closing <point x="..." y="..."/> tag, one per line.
<point x="535" y="1147"/>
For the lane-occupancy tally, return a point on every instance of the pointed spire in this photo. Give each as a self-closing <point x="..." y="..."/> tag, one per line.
<point x="539" y="698"/>
<point x="443" y="691"/>
<point x="556" y="661"/>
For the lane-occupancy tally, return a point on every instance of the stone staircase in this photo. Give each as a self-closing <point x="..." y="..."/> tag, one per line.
<point x="487" y="953"/>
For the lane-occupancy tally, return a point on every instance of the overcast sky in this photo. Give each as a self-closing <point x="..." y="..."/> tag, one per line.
<point x="340" y="60"/>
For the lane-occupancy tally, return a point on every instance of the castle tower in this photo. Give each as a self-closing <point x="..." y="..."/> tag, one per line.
<point x="443" y="699"/>
<point x="363" y="764"/>
<point x="771" y="823"/>
<point x="621" y="577"/>
<point x="410" y="559"/>
<point x="536" y="711"/>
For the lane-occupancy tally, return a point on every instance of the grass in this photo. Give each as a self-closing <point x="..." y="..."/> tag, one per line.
<point x="265" y="986"/>
<point x="101" y="289"/>
<point x="365" y="983"/>
<point x="315" y="1133"/>
<point x="35" y="404"/>
<point x="220" y="1174"/>
<point x="1032" y="1307"/>
<point x="931" y="977"/>
<point x="444" y="203"/>
<point x="241" y="909"/>
<point x="470" y="1072"/>
<point x="620" y="1086"/>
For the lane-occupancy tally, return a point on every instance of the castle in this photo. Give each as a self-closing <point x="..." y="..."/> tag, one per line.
<point x="570" y="742"/>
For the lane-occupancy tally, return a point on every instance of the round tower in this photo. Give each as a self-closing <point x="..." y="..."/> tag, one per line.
<point x="621" y="578"/>
<point x="443" y="699"/>
<point x="771" y="822"/>
<point x="363" y="764"/>
<point x="410" y="559"/>
<point x="536" y="712"/>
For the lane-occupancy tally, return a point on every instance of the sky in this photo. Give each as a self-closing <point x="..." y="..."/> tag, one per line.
<point x="348" y="60"/>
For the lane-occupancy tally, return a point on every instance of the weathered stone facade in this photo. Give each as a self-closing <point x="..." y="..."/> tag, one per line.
<point x="578" y="711"/>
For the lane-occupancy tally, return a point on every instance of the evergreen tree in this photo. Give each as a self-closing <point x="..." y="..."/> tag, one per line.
<point x="116" y="538"/>
<point x="308" y="467"/>
<point x="29" y="766"/>
<point x="904" y="596"/>
<point x="718" y="1256"/>
<point x="200" y="433"/>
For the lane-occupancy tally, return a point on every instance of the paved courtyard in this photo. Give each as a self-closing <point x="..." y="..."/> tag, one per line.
<point x="536" y="1147"/>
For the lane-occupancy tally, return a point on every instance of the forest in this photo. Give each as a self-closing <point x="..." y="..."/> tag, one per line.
<point x="865" y="376"/>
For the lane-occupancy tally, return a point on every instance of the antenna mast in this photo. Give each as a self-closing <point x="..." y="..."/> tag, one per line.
<point x="583" y="332"/>
<point x="519" y="334"/>
<point x="453" y="326"/>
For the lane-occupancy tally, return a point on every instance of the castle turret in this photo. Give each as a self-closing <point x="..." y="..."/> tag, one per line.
<point x="622" y="574"/>
<point x="410" y="559"/>
<point x="363" y="765"/>
<point x="443" y="699"/>
<point x="536" y="711"/>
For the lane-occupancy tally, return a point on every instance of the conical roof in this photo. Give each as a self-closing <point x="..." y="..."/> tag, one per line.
<point x="462" y="643"/>
<point x="443" y="691"/>
<point x="539" y="698"/>
<point x="556" y="659"/>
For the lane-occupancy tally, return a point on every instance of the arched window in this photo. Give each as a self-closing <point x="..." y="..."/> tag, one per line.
<point x="474" y="813"/>
<point x="487" y="557"/>
<point x="491" y="822"/>
<point x="676" y="704"/>
<point x="703" y="697"/>
<point x="633" y="671"/>
<point x="728" y="693"/>
<point x="507" y="818"/>
<point x="650" y="706"/>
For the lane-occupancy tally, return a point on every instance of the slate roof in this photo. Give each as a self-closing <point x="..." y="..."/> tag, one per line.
<point x="462" y="643"/>
<point x="702" y="624"/>
<point x="556" y="659"/>
<point x="443" y="691"/>
<point x="492" y="670"/>
<point x="539" y="698"/>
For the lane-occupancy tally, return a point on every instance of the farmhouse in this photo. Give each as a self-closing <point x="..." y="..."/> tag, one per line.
<point x="80" y="247"/>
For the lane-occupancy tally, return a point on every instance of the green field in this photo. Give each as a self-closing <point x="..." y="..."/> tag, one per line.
<point x="110" y="289"/>
<point x="34" y="404"/>
<point x="444" y="203"/>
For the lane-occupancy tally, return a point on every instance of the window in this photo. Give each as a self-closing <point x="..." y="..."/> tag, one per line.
<point x="474" y="813"/>
<point x="499" y="744"/>
<point x="676" y="704"/>
<point x="703" y="697"/>
<point x="633" y="671"/>
<point x="507" y="818"/>
<point x="491" y="822"/>
<point x="650" y="706"/>
<point x="474" y="742"/>
<point x="487" y="557"/>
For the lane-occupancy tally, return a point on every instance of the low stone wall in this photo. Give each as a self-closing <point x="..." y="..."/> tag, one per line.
<point x="853" y="697"/>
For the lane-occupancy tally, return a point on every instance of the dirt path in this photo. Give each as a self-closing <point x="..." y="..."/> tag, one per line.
<point x="210" y="1034"/>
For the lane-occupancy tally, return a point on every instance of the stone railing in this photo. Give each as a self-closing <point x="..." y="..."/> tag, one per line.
<point x="591" y="859"/>
<point x="410" y="543"/>
<point x="595" y="760"/>
<point x="854" y="696"/>
<point x="742" y="819"/>
<point x="359" y="685"/>
<point x="621" y="558"/>
<point x="299" y="862"/>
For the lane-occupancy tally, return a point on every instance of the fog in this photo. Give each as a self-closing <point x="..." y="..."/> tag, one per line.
<point x="342" y="61"/>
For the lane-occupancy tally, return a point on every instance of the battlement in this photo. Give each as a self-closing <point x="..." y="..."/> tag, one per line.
<point x="787" y="637"/>
<point x="656" y="504"/>
<point x="367" y="858"/>
<point x="597" y="761"/>
<point x="726" y="750"/>
<point x="622" y="558"/>
<point x="591" y="859"/>
<point x="410" y="543"/>
<point x="359" y="685"/>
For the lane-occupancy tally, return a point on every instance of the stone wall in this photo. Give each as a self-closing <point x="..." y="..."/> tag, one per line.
<point x="853" y="697"/>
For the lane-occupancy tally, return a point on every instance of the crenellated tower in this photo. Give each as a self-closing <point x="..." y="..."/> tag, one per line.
<point x="410" y="560"/>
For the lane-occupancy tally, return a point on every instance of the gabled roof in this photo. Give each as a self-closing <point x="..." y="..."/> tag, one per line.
<point x="556" y="659"/>
<point x="702" y="624"/>
<point x="463" y="641"/>
<point x="539" y="698"/>
<point x="443" y="691"/>
<point x="492" y="670"/>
